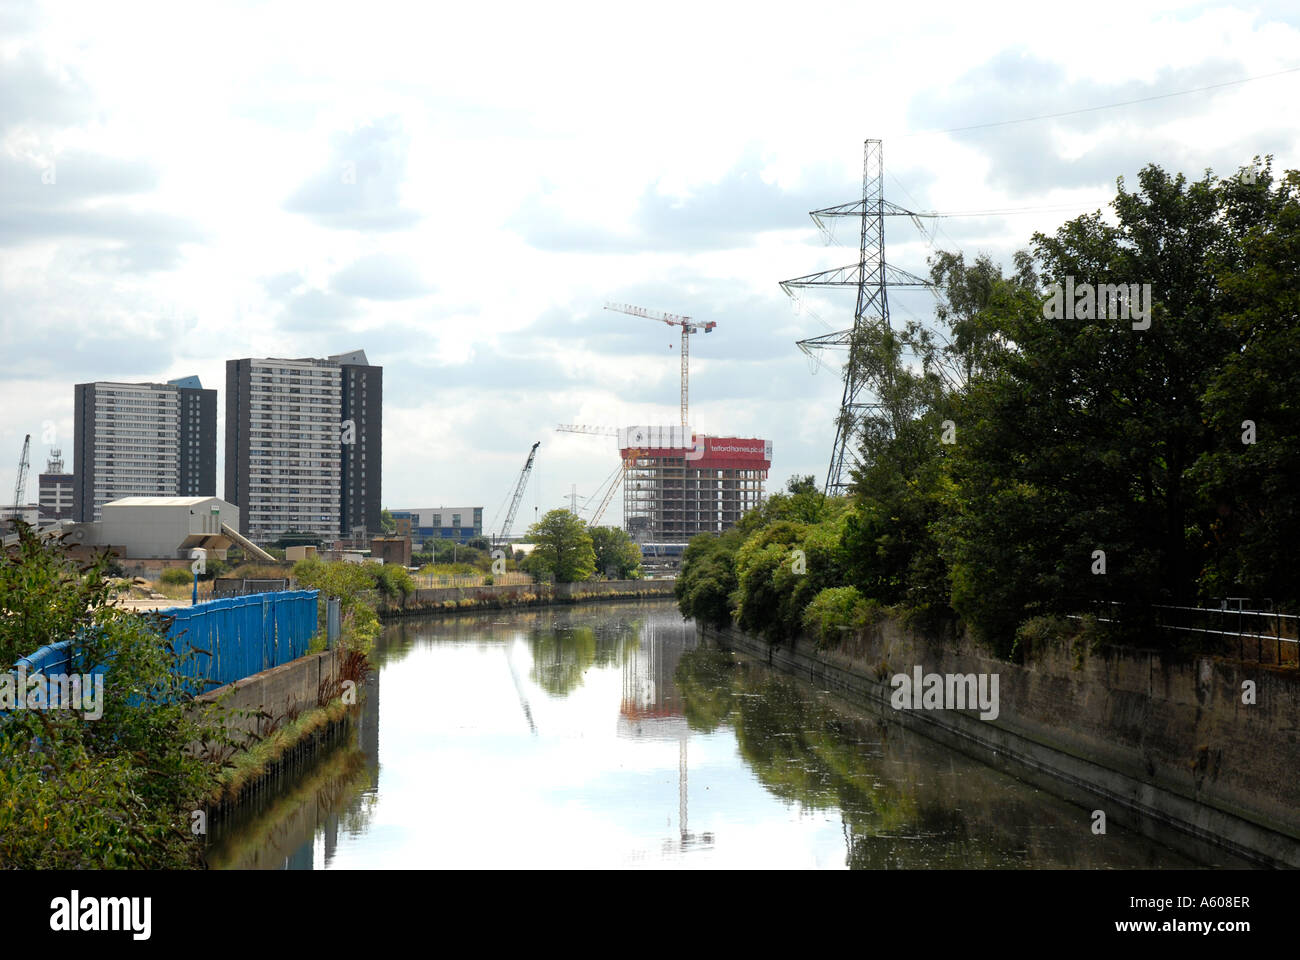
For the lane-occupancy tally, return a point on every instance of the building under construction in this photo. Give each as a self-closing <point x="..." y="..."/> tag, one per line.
<point x="677" y="484"/>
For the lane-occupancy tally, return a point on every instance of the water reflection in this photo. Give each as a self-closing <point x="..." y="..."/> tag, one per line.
<point x="607" y="735"/>
<point x="904" y="801"/>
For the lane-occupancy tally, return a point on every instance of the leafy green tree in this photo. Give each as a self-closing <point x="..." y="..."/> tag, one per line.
<point x="801" y="501"/>
<point x="1248" y="489"/>
<point x="1082" y="437"/>
<point x="387" y="522"/>
<point x="707" y="577"/>
<point x="616" y="554"/>
<point x="563" y="548"/>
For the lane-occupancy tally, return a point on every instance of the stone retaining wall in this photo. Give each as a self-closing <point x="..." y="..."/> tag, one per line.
<point x="1161" y="741"/>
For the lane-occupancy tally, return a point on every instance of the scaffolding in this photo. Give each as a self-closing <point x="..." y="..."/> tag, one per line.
<point x="670" y="494"/>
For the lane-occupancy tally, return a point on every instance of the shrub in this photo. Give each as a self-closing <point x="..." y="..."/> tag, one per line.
<point x="1035" y="633"/>
<point x="834" y="612"/>
<point x="176" y="577"/>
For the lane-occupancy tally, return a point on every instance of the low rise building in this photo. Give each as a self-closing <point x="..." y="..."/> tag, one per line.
<point x="439" y="523"/>
<point x="392" y="550"/>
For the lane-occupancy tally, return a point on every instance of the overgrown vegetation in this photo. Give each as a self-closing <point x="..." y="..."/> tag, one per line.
<point x="111" y="792"/>
<point x="1012" y="451"/>
<point x="360" y="587"/>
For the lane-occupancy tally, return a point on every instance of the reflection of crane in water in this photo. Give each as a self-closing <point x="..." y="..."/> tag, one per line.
<point x="523" y="700"/>
<point x="652" y="710"/>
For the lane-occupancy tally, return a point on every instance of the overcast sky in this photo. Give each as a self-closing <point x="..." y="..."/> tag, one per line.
<point x="459" y="189"/>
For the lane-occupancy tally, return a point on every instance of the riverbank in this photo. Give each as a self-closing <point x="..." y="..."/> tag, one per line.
<point x="280" y="759"/>
<point x="283" y="717"/>
<point x="438" y="600"/>
<point x="1163" y="743"/>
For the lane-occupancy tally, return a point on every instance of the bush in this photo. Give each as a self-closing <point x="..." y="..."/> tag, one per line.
<point x="111" y="792"/>
<point x="834" y="612"/>
<point x="1036" y="633"/>
<point x="392" y="581"/>
<point x="708" y="578"/>
<point x="176" y="577"/>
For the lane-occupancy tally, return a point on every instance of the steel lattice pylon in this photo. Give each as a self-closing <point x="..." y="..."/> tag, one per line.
<point x="873" y="277"/>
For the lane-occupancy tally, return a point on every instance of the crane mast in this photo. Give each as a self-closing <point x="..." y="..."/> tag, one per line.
<point x="687" y="326"/>
<point x="20" y="488"/>
<point x="518" y="494"/>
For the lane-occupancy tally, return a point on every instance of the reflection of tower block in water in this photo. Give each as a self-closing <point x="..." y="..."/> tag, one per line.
<point x="652" y="709"/>
<point x="652" y="704"/>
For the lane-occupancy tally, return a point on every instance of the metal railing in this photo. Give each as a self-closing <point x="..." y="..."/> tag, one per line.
<point x="1262" y="633"/>
<point x="243" y="586"/>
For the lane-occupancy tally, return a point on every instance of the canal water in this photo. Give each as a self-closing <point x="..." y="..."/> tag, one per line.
<point x="609" y="735"/>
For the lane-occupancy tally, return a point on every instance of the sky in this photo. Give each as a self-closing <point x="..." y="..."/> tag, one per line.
<point x="460" y="189"/>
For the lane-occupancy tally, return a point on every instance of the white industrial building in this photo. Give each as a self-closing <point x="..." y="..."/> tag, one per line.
<point x="165" y="527"/>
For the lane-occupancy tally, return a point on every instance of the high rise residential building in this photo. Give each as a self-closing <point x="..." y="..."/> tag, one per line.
<point x="303" y="445"/>
<point x="55" y="496"/>
<point x="359" y="471"/>
<point x="142" y="439"/>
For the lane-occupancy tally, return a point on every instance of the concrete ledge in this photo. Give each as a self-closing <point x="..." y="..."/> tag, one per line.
<point x="293" y="686"/>
<point x="1157" y="811"/>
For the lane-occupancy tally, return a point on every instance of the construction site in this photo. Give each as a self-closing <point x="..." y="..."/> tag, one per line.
<point x="677" y="483"/>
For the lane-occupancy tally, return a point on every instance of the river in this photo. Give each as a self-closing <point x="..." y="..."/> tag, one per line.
<point x="609" y="735"/>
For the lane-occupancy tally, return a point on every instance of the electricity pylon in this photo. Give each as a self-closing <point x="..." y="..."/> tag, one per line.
<point x="873" y="277"/>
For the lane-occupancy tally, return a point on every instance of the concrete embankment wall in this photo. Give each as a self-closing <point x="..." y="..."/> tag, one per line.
<point x="438" y="599"/>
<point x="290" y="688"/>
<point x="1162" y="742"/>
<point x="284" y="691"/>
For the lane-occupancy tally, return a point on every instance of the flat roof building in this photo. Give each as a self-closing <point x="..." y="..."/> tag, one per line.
<point x="56" y="487"/>
<point x="304" y="445"/>
<point x="439" y="523"/>
<point x="142" y="439"/>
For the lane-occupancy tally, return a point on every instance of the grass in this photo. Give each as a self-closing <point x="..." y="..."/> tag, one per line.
<point x="332" y="783"/>
<point x="248" y="765"/>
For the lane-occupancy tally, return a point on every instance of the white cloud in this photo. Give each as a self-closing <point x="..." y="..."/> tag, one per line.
<point x="498" y="152"/>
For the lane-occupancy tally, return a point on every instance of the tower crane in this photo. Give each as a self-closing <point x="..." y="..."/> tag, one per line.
<point x="687" y="326"/>
<point x="20" y="488"/>
<point x="518" y="494"/>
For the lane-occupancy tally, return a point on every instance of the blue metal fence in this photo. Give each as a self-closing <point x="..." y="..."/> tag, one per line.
<point x="51" y="658"/>
<point x="226" y="640"/>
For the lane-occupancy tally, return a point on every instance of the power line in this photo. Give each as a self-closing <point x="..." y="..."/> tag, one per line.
<point x="1104" y="106"/>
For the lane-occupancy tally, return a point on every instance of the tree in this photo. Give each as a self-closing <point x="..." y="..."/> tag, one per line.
<point x="1081" y="437"/>
<point x="387" y="523"/>
<point x="562" y="548"/>
<point x="708" y="577"/>
<point x="615" y="552"/>
<point x="1246" y="477"/>
<point x="357" y="589"/>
